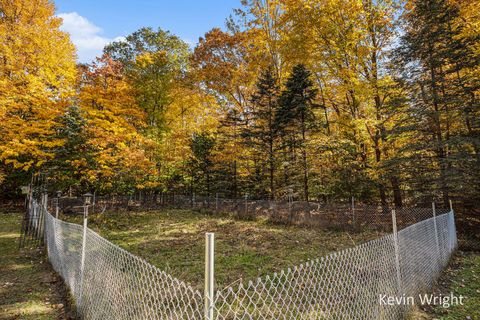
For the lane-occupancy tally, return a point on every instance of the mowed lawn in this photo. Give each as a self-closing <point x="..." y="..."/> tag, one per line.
<point x="174" y="241"/>
<point x="29" y="289"/>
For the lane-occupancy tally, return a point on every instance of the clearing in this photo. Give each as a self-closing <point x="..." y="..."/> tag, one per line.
<point x="173" y="240"/>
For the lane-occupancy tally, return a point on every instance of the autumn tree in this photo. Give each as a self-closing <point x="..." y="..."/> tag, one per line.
<point x="114" y="122"/>
<point x="37" y="76"/>
<point x="221" y="65"/>
<point x="154" y="62"/>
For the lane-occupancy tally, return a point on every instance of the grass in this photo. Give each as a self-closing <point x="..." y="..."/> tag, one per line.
<point x="29" y="289"/>
<point x="462" y="277"/>
<point x="173" y="240"/>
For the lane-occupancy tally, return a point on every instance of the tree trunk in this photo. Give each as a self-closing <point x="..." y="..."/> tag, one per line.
<point x="304" y="156"/>
<point x="397" y="193"/>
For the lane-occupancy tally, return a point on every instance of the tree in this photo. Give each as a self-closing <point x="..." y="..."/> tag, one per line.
<point x="114" y="123"/>
<point x="155" y="63"/>
<point x="75" y="156"/>
<point x="295" y="117"/>
<point x="436" y="60"/>
<point x="37" y="77"/>
<point x="260" y="133"/>
<point x="223" y="69"/>
<point x="200" y="162"/>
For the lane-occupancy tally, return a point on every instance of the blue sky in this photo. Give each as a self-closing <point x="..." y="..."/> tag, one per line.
<point x="92" y="24"/>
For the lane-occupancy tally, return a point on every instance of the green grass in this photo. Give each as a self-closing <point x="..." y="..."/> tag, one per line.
<point x="173" y="240"/>
<point x="462" y="277"/>
<point x="465" y="281"/>
<point x="28" y="287"/>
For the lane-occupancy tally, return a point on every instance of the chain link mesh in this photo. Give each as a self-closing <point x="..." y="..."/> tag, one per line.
<point x="348" y="216"/>
<point x="114" y="284"/>
<point x="348" y="284"/>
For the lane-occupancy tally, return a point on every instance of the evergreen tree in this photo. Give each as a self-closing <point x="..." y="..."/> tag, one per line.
<point x="200" y="163"/>
<point x="431" y="55"/>
<point x="295" y="117"/>
<point x="75" y="156"/>
<point x="260" y="131"/>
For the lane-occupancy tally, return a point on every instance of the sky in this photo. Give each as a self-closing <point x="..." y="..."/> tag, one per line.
<point x="93" y="24"/>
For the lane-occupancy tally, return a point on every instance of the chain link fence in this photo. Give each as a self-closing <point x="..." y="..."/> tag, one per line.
<point x="107" y="282"/>
<point x="350" y="216"/>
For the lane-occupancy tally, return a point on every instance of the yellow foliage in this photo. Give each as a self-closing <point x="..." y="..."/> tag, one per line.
<point x="114" y="122"/>
<point x="37" y="75"/>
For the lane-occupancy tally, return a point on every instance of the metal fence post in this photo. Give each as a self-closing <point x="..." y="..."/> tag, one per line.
<point x="209" y="275"/>
<point x="41" y="223"/>
<point x="57" y="209"/>
<point x="353" y="211"/>
<point x="397" y="253"/>
<point x="246" y="204"/>
<point x="290" y="201"/>
<point x="82" y="261"/>
<point x="439" y="259"/>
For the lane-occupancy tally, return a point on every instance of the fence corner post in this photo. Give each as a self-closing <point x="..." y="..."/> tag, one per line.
<point x="82" y="261"/>
<point x="397" y="252"/>
<point x="209" y="275"/>
<point x="437" y="242"/>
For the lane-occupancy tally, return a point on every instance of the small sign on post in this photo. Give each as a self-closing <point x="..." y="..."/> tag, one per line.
<point x="25" y="189"/>
<point x="209" y="275"/>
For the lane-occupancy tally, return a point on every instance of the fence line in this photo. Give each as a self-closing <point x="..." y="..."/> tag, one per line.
<point x="352" y="216"/>
<point x="349" y="284"/>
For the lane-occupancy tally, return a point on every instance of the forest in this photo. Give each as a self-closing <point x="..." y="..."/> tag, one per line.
<point x="309" y="99"/>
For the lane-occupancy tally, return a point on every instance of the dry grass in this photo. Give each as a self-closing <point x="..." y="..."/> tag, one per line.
<point x="173" y="240"/>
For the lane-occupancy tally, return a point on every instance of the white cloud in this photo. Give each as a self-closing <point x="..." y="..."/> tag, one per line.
<point x="86" y="36"/>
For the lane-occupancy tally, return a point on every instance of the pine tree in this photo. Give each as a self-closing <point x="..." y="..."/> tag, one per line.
<point x="295" y="117"/>
<point x="260" y="132"/>
<point x="200" y="163"/>
<point x="75" y="156"/>
<point x="431" y="63"/>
